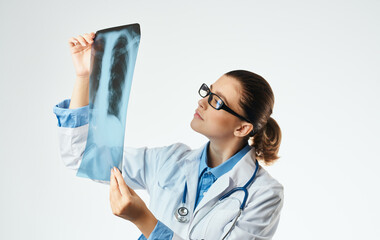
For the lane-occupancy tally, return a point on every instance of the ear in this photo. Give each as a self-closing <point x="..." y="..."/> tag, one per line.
<point x="243" y="130"/>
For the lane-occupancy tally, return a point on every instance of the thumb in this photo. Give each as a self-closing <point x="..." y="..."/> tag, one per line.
<point x="133" y="193"/>
<point x="114" y="186"/>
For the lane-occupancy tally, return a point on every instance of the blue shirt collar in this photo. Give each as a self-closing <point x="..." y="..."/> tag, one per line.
<point x="224" y="167"/>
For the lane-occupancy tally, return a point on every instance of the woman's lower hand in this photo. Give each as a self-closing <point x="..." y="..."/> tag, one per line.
<point x="125" y="203"/>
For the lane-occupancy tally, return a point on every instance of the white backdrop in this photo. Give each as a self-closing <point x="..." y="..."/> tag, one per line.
<point x="321" y="58"/>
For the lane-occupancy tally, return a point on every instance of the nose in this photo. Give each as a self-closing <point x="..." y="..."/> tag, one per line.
<point x="203" y="102"/>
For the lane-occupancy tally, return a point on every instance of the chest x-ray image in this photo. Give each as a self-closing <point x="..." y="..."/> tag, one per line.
<point x="113" y="58"/>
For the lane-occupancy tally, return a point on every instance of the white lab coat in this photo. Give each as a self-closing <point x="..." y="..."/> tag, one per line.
<point x="162" y="171"/>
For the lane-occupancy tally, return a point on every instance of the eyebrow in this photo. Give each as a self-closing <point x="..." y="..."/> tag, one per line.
<point x="221" y="95"/>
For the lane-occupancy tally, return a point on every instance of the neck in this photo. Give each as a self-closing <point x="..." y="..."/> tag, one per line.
<point x="220" y="151"/>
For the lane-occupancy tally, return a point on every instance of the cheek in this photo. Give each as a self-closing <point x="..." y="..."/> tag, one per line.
<point x="219" y="124"/>
<point x="223" y="121"/>
<point x="216" y="124"/>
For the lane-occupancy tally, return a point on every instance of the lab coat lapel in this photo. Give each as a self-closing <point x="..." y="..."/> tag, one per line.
<point x="192" y="182"/>
<point x="191" y="166"/>
<point x="244" y="169"/>
<point x="238" y="176"/>
<point x="216" y="189"/>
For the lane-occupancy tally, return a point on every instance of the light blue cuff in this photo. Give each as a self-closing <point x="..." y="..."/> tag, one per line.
<point x="70" y="118"/>
<point x="161" y="231"/>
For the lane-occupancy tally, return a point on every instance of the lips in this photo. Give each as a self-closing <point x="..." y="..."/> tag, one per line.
<point x="197" y="112"/>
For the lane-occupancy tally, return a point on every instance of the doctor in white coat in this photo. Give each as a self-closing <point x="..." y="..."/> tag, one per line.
<point x="234" y="114"/>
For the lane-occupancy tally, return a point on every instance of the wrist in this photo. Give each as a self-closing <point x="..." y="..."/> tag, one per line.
<point x="80" y="95"/>
<point x="146" y="223"/>
<point x="84" y="78"/>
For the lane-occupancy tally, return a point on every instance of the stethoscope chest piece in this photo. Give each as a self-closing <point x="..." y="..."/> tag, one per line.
<point x="182" y="214"/>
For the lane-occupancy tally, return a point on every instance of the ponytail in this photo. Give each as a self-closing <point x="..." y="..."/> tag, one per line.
<point x="267" y="142"/>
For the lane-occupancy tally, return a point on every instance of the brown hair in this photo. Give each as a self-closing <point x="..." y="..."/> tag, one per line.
<point x="257" y="103"/>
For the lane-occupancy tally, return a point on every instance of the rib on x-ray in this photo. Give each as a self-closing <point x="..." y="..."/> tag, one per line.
<point x="113" y="58"/>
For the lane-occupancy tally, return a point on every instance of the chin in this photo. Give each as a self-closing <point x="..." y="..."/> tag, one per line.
<point x="200" y="127"/>
<point x="195" y="126"/>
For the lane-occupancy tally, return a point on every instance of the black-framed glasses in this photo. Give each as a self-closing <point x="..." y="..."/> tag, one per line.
<point x="216" y="102"/>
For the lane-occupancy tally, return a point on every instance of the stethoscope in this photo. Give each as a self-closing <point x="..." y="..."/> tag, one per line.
<point x="182" y="213"/>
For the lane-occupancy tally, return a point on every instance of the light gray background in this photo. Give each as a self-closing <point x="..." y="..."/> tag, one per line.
<point x="320" y="57"/>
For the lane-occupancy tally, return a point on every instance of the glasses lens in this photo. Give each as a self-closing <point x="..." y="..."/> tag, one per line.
<point x="216" y="101"/>
<point x="203" y="91"/>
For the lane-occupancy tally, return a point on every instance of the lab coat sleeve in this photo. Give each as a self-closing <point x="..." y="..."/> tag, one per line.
<point x="72" y="132"/>
<point x="72" y="142"/>
<point x="260" y="218"/>
<point x="140" y="165"/>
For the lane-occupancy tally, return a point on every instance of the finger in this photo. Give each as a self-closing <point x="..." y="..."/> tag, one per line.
<point x="73" y="42"/>
<point x="124" y="189"/>
<point x="92" y="34"/>
<point x="82" y="41"/>
<point x="88" y="37"/>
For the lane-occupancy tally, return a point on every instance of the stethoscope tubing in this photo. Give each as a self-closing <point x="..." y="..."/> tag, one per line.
<point x="244" y="189"/>
<point x="184" y="194"/>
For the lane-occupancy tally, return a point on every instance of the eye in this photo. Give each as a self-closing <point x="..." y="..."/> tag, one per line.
<point x="216" y="102"/>
<point x="219" y="103"/>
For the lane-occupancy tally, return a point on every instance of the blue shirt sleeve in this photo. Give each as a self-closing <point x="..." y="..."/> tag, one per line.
<point x="70" y="118"/>
<point x="161" y="231"/>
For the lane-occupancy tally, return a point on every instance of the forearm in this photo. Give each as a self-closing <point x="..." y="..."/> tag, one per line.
<point x="80" y="96"/>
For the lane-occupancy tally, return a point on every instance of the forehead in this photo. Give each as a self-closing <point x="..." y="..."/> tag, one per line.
<point x="229" y="90"/>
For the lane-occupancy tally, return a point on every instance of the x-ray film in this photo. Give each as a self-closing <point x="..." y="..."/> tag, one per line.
<point x="113" y="58"/>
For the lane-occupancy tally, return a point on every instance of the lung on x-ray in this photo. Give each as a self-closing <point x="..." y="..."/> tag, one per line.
<point x="113" y="58"/>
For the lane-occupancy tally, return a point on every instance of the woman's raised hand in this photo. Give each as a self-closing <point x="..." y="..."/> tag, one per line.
<point x="80" y="48"/>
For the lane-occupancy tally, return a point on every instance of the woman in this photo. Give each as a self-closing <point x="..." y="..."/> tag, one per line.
<point x="188" y="187"/>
